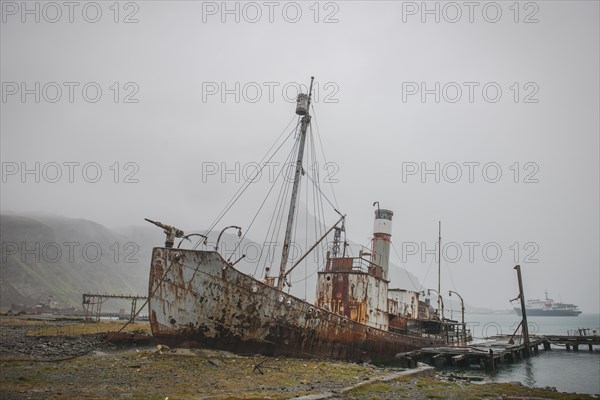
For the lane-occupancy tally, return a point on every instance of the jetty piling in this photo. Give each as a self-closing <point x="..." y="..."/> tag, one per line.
<point x="524" y="326"/>
<point x="495" y="351"/>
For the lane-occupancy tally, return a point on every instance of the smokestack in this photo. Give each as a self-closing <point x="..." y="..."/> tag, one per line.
<point x="382" y="234"/>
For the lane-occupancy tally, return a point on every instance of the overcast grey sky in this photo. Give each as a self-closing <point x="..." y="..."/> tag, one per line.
<point x="518" y="95"/>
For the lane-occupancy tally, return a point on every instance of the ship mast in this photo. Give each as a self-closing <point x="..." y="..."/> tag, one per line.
<point x="301" y="109"/>
<point x="439" y="267"/>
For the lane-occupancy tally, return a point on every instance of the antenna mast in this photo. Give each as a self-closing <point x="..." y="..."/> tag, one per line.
<point x="302" y="108"/>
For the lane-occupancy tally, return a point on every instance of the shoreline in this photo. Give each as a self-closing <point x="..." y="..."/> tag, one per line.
<point x="186" y="374"/>
<point x="65" y="360"/>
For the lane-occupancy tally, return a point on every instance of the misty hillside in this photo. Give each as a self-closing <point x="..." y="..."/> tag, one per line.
<point x="45" y="256"/>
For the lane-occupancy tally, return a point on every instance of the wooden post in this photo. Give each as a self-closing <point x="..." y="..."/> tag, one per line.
<point x="492" y="362"/>
<point x="547" y="345"/>
<point x="524" y="327"/>
<point x="459" y="359"/>
<point x="438" y="359"/>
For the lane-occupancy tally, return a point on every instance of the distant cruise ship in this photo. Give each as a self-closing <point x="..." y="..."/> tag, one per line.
<point x="548" y="308"/>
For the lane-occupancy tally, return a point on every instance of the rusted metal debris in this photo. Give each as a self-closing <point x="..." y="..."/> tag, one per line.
<point x="92" y="304"/>
<point x="128" y="337"/>
<point x="260" y="365"/>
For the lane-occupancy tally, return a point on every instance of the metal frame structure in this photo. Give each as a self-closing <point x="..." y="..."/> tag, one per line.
<point x="92" y="304"/>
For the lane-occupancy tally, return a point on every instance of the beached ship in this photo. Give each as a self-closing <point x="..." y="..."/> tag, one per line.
<point x="199" y="298"/>
<point x="548" y="308"/>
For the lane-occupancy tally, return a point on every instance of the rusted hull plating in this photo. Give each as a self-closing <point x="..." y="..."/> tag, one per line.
<point x="197" y="299"/>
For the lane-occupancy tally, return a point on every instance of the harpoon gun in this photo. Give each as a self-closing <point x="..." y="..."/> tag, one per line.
<point x="170" y="231"/>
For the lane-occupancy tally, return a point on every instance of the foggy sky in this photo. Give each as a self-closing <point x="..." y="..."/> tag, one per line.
<point x="371" y="129"/>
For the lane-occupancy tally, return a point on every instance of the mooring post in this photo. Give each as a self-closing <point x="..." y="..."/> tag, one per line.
<point x="524" y="327"/>
<point x="547" y="345"/>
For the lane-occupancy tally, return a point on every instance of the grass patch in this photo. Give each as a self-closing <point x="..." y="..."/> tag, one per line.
<point x="433" y="388"/>
<point x="87" y="328"/>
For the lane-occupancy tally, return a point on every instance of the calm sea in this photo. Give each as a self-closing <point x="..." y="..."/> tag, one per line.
<point x="567" y="371"/>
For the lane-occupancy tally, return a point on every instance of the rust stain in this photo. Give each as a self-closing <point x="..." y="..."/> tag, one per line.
<point x="198" y="299"/>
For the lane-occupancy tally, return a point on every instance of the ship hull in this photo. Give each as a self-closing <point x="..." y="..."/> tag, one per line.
<point x="197" y="299"/>
<point x="532" y="312"/>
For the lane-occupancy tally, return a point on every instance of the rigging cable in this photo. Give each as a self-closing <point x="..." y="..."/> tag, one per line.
<point x="323" y="151"/>
<point x="427" y="273"/>
<point x="325" y="197"/>
<point x="280" y="208"/>
<point x="450" y="274"/>
<point x="404" y="267"/>
<point x="315" y="213"/>
<point x="319" y="201"/>
<point x="279" y="201"/>
<point x="253" y="219"/>
<point x="243" y="188"/>
<point x="316" y="182"/>
<point x="318" y="187"/>
<point x="274" y="220"/>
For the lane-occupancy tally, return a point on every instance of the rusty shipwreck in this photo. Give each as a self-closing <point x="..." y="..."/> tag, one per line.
<point x="197" y="297"/>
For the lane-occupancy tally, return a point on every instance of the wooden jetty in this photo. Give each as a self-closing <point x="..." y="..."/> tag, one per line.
<point x="498" y="349"/>
<point x="574" y="341"/>
<point x="489" y="354"/>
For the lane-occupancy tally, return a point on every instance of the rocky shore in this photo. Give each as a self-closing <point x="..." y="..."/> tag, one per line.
<point x="14" y="344"/>
<point x="85" y="366"/>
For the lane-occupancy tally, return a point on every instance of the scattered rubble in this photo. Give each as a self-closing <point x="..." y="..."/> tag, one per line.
<point x="15" y="344"/>
<point x="92" y="368"/>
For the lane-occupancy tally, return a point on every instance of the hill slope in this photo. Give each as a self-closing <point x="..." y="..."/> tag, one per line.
<point x="45" y="256"/>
